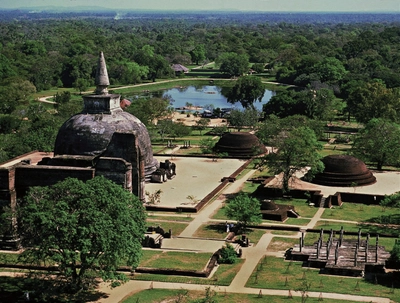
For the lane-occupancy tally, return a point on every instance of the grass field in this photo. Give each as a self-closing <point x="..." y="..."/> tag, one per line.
<point x="276" y="273"/>
<point x="182" y="295"/>
<point x="223" y="276"/>
<point x="174" y="260"/>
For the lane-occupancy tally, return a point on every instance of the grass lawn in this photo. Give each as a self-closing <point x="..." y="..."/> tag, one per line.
<point x="358" y="212"/>
<point x="182" y="295"/>
<point x="281" y="244"/>
<point x="224" y="276"/>
<point x="300" y="206"/>
<point x="218" y="231"/>
<point x="152" y="216"/>
<point x="211" y="231"/>
<point x="174" y="260"/>
<point x="276" y="273"/>
<point x="175" y="227"/>
<point x="220" y="215"/>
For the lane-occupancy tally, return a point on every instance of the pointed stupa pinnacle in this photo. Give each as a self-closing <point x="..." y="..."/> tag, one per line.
<point x="101" y="81"/>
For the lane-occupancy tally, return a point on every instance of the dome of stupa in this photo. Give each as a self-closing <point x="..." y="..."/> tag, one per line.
<point x="90" y="133"/>
<point x="242" y="144"/>
<point x="344" y="170"/>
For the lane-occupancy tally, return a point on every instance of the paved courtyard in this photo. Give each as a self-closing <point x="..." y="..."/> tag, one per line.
<point x="195" y="177"/>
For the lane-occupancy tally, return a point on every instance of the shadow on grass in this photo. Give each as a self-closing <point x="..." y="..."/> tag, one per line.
<point x="390" y="280"/>
<point x="217" y="228"/>
<point x="19" y="289"/>
<point x="383" y="225"/>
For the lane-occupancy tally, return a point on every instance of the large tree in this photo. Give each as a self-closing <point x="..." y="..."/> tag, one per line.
<point x="294" y="150"/>
<point x="233" y="64"/>
<point x="374" y="100"/>
<point x="244" y="209"/>
<point x="246" y="90"/>
<point x="378" y="142"/>
<point x="244" y="118"/>
<point x="150" y="110"/>
<point x="83" y="227"/>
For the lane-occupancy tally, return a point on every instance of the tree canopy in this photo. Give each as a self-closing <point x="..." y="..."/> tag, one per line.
<point x="378" y="142"/>
<point x="233" y="64"/>
<point x="246" y="90"/>
<point x="244" y="209"/>
<point x="294" y="149"/>
<point x="83" y="227"/>
<point x="374" y="100"/>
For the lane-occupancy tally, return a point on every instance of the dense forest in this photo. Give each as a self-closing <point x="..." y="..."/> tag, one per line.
<point x="354" y="58"/>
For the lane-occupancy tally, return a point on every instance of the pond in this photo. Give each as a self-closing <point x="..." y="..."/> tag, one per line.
<point x="201" y="96"/>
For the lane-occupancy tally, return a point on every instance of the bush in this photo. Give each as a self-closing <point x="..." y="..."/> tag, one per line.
<point x="227" y="255"/>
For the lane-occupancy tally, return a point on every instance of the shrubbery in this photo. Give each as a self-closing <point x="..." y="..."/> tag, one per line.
<point x="227" y="255"/>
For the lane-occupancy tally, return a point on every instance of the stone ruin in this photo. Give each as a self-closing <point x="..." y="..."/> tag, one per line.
<point x="340" y="256"/>
<point x="240" y="144"/>
<point x="167" y="171"/>
<point x="344" y="171"/>
<point x="277" y="212"/>
<point x="102" y="140"/>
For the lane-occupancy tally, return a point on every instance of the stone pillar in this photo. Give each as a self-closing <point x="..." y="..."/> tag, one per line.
<point x="336" y="253"/>
<point x="341" y="236"/>
<point x="300" y="244"/>
<point x="355" y="255"/>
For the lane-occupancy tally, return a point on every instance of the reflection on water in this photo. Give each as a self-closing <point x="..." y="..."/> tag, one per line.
<point x="201" y="96"/>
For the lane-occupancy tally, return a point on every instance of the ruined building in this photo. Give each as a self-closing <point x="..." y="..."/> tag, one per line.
<point x="102" y="140"/>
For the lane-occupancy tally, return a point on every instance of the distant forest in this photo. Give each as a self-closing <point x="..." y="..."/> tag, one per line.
<point x="50" y="50"/>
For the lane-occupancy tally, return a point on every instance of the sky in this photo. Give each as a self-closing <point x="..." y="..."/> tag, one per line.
<point x="243" y="5"/>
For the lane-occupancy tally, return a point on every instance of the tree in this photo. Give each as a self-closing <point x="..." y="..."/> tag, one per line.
<point x="374" y="100"/>
<point x="179" y="130"/>
<point x="9" y="123"/>
<point x="198" y="54"/>
<point x="246" y="90"/>
<point x="258" y="67"/>
<point x="321" y="104"/>
<point x="207" y="145"/>
<point x="62" y="97"/>
<point x="228" y="254"/>
<point x="283" y="104"/>
<point x="244" y="209"/>
<point x="164" y="127"/>
<point x="244" y="118"/>
<point x="233" y="64"/>
<point x="14" y="93"/>
<point x="318" y="104"/>
<point x="294" y="150"/>
<point x="378" y="142"/>
<point x="81" y="85"/>
<point x="330" y="70"/>
<point x="83" y="227"/>
<point x="201" y="124"/>
<point x="149" y="110"/>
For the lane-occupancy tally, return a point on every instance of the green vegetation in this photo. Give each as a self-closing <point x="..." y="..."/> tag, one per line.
<point x="174" y="260"/>
<point x="359" y="212"/>
<point x="223" y="276"/>
<point x="228" y="255"/>
<point x="176" y="227"/>
<point x="158" y="295"/>
<point x="95" y="227"/>
<point x="278" y="274"/>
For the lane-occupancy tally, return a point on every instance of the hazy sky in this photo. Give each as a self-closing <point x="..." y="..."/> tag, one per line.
<point x="252" y="5"/>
